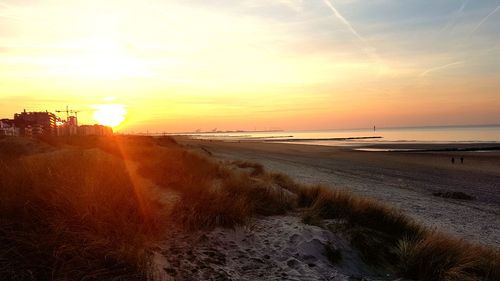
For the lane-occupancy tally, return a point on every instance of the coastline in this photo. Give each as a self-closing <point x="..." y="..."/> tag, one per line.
<point x="405" y="180"/>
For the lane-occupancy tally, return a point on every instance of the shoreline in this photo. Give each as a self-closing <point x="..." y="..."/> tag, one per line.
<point x="367" y="146"/>
<point x="405" y="180"/>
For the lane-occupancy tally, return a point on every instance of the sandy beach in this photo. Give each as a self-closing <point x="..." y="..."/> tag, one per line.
<point x="191" y="212"/>
<point x="406" y="180"/>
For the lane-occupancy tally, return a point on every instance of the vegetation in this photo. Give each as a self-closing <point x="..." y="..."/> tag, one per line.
<point x="65" y="216"/>
<point x="454" y="195"/>
<point x="440" y="257"/>
<point x="71" y="209"/>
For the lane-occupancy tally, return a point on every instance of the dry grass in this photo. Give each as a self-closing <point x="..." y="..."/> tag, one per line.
<point x="73" y="215"/>
<point x="213" y="194"/>
<point x="217" y="195"/>
<point x="374" y="228"/>
<point x="257" y="169"/>
<point x="440" y="257"/>
<point x="329" y="203"/>
<point x="387" y="238"/>
<point x="231" y="201"/>
<point x="208" y="209"/>
<point x="454" y="195"/>
<point x="95" y="224"/>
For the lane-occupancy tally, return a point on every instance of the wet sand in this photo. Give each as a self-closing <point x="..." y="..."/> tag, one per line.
<point x="405" y="180"/>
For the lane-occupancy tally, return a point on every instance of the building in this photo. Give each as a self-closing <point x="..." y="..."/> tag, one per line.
<point x="35" y="123"/>
<point x="94" y="130"/>
<point x="67" y="128"/>
<point x="72" y="126"/>
<point x="48" y="124"/>
<point x="7" y="128"/>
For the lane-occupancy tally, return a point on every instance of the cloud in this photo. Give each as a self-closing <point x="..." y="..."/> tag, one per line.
<point x="456" y="15"/>
<point x="339" y="16"/>
<point x="292" y="4"/>
<point x="485" y="19"/>
<point x="437" y="68"/>
<point x="369" y="50"/>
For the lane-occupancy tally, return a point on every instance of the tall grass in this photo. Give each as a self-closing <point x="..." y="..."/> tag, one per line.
<point x="212" y="193"/>
<point x="74" y="215"/>
<point x="438" y="257"/>
<point x="216" y="194"/>
<point x="58" y="224"/>
<point x="387" y="238"/>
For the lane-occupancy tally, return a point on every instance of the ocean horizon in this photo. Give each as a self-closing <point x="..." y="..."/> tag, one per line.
<point x="469" y="133"/>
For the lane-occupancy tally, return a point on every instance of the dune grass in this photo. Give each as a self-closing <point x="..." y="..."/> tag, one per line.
<point x="95" y="224"/>
<point x="212" y="193"/>
<point x="219" y="195"/>
<point x="440" y="257"/>
<point x="386" y="238"/>
<point x="74" y="214"/>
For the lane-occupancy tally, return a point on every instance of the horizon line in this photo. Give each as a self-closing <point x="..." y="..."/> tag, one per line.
<point x="154" y="132"/>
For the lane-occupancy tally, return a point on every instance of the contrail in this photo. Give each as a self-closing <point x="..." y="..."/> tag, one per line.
<point x="343" y="20"/>
<point x="369" y="50"/>
<point x="424" y="73"/>
<point x="297" y="7"/>
<point x="457" y="14"/>
<point x="485" y="19"/>
<point x="462" y="7"/>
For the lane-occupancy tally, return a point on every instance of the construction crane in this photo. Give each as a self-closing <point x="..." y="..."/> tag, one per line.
<point x="68" y="112"/>
<point x="75" y="112"/>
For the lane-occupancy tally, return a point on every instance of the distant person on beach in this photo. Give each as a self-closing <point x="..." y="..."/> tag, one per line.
<point x="461" y="160"/>
<point x="452" y="160"/>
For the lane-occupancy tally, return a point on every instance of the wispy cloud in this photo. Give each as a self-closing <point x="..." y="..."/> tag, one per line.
<point x="369" y="50"/>
<point x="339" y="16"/>
<point x="294" y="5"/>
<point x="456" y="15"/>
<point x="437" y="68"/>
<point x="485" y="19"/>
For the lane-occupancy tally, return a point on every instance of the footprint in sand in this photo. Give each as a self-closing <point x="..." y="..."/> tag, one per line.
<point x="309" y="258"/>
<point x="294" y="238"/>
<point x="292" y="263"/>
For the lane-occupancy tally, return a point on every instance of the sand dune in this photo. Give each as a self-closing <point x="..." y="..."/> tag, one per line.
<point x="271" y="248"/>
<point x="404" y="180"/>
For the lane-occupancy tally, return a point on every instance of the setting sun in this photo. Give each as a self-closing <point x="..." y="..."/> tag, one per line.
<point x="110" y="114"/>
<point x="249" y="140"/>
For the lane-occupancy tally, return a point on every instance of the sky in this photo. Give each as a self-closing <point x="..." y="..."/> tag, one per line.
<point x="172" y="66"/>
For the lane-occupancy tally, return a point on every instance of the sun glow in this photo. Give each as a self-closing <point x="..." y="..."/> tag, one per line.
<point x="110" y="114"/>
<point x="99" y="58"/>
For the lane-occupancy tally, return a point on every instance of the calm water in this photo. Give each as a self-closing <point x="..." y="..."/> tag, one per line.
<point x="421" y="134"/>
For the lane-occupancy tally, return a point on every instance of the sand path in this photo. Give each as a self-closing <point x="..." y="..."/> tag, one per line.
<point x="267" y="248"/>
<point x="270" y="248"/>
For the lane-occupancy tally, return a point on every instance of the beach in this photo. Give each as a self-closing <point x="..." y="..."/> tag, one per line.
<point x="213" y="210"/>
<point x="405" y="180"/>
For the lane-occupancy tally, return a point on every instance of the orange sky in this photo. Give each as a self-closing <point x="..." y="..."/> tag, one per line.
<point x="287" y="64"/>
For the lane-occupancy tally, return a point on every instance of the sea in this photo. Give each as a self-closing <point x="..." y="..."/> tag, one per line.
<point x="434" y="134"/>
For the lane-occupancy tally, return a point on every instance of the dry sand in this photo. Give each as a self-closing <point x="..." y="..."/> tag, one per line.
<point x="270" y="248"/>
<point x="404" y="180"/>
<point x="266" y="248"/>
<point x="284" y="248"/>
